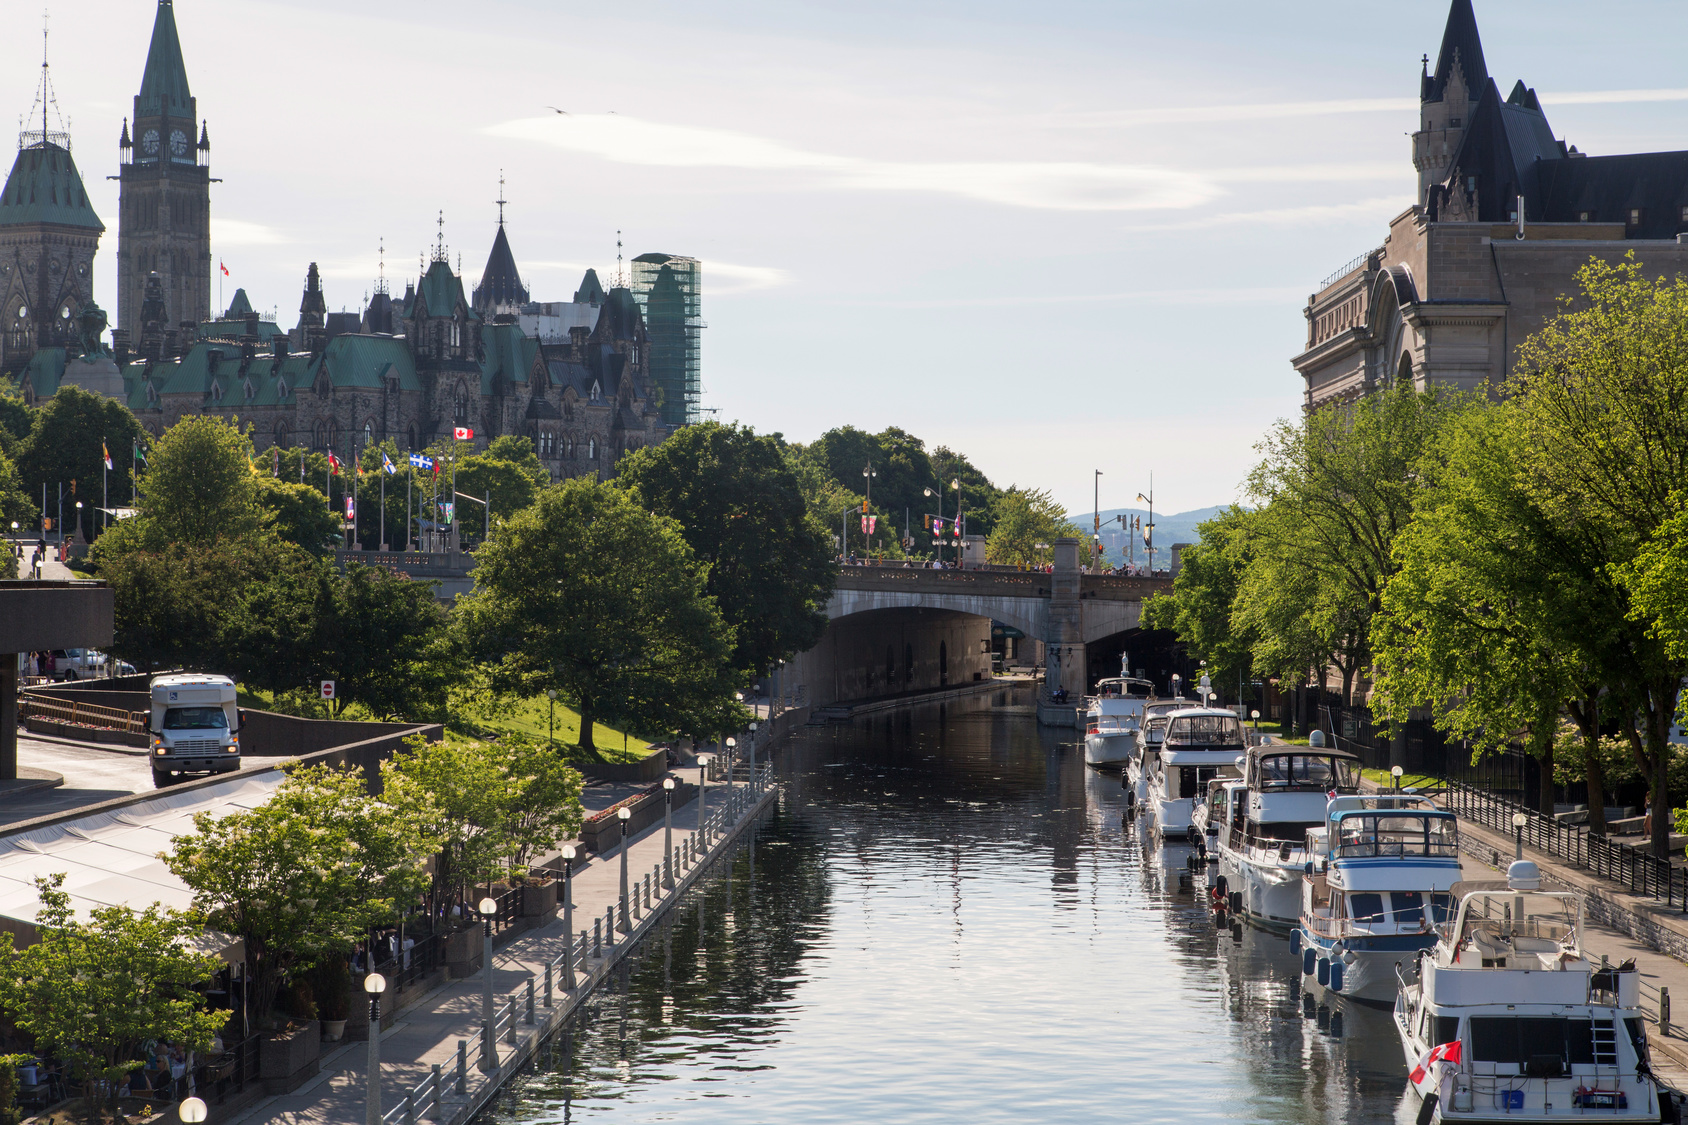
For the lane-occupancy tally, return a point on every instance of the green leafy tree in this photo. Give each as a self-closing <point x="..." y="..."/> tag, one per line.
<point x="171" y="600"/>
<point x="543" y="806"/>
<point x="304" y="876"/>
<point x="91" y="993"/>
<point x="1027" y="523"/>
<point x="457" y="793"/>
<point x="16" y="418"/>
<point x="589" y="594"/>
<point x="1200" y="608"/>
<point x="386" y="646"/>
<point x="741" y="511"/>
<point x="512" y="487"/>
<point x="64" y="446"/>
<point x="298" y="513"/>
<point x="199" y="486"/>
<point x="1658" y="580"/>
<point x="1602" y="406"/>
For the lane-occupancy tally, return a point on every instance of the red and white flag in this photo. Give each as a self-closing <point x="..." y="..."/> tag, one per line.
<point x="1446" y="1053"/>
<point x="463" y="433"/>
<point x="224" y="268"/>
<point x="334" y="464"/>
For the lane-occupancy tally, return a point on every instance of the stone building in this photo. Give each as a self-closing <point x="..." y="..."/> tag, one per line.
<point x="1505" y="215"/>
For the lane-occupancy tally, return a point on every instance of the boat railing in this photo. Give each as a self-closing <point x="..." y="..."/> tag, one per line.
<point x="1394" y="848"/>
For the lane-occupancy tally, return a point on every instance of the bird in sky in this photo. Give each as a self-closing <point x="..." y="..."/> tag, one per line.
<point x="564" y="112"/>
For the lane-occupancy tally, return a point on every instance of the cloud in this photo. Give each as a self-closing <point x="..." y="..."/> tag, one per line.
<point x="1267" y="111"/>
<point x="1238" y="296"/>
<point x="1063" y="186"/>
<point x="1370" y="210"/>
<point x="1611" y="97"/>
<point x="238" y="232"/>
<point x="741" y="279"/>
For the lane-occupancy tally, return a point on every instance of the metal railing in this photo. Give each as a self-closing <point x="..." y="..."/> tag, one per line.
<point x="32" y="706"/>
<point x="1349" y="267"/>
<point x="1636" y="870"/>
<point x="426" y="1098"/>
<point x="411" y="965"/>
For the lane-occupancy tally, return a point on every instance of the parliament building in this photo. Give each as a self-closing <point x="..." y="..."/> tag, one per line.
<point x="1505" y="215"/>
<point x="575" y="376"/>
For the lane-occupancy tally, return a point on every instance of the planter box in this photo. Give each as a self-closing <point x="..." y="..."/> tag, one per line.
<point x="649" y="768"/>
<point x="603" y="833"/>
<point x="539" y="902"/>
<point x="463" y="950"/>
<point x="284" y="1061"/>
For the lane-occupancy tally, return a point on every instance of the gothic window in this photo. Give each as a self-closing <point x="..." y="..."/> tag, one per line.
<point x="460" y="409"/>
<point x="333" y="434"/>
<point x="410" y="437"/>
<point x="596" y="391"/>
<point x="281" y="435"/>
<point x="368" y="434"/>
<point x="592" y="450"/>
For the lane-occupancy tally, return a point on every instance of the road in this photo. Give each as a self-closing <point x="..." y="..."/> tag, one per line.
<point x="90" y="775"/>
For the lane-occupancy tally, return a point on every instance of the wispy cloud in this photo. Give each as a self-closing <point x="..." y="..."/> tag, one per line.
<point x="1065" y="186"/>
<point x="741" y="279"/>
<point x="1612" y="97"/>
<point x="1370" y="210"/>
<point x="1238" y="296"/>
<point x="238" y="232"/>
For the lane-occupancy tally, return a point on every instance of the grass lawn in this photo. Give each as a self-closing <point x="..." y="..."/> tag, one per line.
<point x="1385" y="779"/>
<point x="530" y="717"/>
<point x="1277" y="730"/>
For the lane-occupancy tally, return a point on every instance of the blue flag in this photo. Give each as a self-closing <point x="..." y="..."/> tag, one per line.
<point x="421" y="461"/>
<point x="387" y="464"/>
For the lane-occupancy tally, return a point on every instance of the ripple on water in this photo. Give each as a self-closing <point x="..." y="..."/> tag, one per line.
<point x="953" y="920"/>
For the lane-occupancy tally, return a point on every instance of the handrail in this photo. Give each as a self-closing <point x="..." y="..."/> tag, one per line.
<point x="31" y="705"/>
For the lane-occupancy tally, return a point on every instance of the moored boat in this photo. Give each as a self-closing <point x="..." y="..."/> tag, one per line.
<point x="1507" y="1019"/>
<point x="1375" y="885"/>
<point x="1113" y="721"/>
<point x="1200" y="744"/>
<point x="1262" y="826"/>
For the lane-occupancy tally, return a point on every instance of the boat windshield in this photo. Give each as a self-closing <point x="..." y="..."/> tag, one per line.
<point x="1113" y="724"/>
<point x="1396" y="834"/>
<point x="1307" y="771"/>
<point x="1404" y="908"/>
<point x="1204" y="730"/>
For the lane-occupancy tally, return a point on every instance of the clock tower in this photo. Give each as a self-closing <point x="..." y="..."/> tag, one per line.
<point x="164" y="192"/>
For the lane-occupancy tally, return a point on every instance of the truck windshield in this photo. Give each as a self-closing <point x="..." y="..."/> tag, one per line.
<point x="195" y="718"/>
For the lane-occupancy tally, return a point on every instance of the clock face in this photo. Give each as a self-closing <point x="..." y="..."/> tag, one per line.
<point x="178" y="143"/>
<point x="149" y="143"/>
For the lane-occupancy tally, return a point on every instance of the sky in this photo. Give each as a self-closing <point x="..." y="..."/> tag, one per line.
<point x="1061" y="237"/>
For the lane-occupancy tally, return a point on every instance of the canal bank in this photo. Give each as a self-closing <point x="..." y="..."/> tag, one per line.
<point x="948" y="917"/>
<point x="432" y="1062"/>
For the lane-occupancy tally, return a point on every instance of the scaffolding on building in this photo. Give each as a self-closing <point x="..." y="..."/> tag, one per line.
<point x="669" y="291"/>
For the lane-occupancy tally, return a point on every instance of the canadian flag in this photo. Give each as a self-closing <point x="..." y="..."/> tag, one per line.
<point x="1446" y="1053"/>
<point x="463" y="433"/>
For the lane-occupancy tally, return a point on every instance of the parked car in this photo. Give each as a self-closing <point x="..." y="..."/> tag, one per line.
<point x="79" y="664"/>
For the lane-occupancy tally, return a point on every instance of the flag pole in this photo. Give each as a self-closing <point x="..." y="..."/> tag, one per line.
<point x="383" y="508"/>
<point x="105" y="485"/>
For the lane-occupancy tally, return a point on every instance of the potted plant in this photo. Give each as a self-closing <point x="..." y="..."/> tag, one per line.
<point x="332" y="980"/>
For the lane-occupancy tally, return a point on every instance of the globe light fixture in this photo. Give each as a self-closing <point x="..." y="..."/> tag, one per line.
<point x="192" y="1110"/>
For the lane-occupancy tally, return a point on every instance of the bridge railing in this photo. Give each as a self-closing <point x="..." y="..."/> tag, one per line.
<point x="998" y="580"/>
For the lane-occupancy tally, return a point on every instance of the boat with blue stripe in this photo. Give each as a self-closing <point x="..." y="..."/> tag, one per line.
<point x="1376" y="885"/>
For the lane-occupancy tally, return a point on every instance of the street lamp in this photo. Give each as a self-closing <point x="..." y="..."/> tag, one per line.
<point x="1255" y="715"/>
<point x="487" y="908"/>
<point x="753" y="757"/>
<point x="191" y="1111"/>
<point x="668" y="832"/>
<point x="374" y="984"/>
<point x="1518" y="822"/>
<point x="623" y="815"/>
<point x="568" y="916"/>
<point x="1395" y="772"/>
<point x="702" y="832"/>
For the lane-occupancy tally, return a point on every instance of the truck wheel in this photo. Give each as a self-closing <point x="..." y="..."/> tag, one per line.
<point x="160" y="778"/>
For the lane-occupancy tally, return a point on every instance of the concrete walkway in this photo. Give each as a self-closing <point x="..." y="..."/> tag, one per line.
<point x="428" y="1032"/>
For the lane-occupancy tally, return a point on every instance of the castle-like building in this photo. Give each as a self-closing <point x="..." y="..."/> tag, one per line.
<point x="1505" y="215"/>
<point x="575" y="379"/>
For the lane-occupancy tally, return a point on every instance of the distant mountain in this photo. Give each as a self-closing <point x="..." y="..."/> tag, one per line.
<point x="1179" y="527"/>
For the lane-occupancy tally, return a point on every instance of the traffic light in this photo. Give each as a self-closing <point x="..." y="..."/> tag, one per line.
<point x="864" y="507"/>
<point x="928" y="523"/>
<point x="73" y="486"/>
<point x="46" y="523"/>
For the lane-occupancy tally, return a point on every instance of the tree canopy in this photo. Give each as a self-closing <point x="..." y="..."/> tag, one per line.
<point x="741" y="511"/>
<point x="64" y="443"/>
<point x="1026" y="524"/>
<point x="589" y="594"/>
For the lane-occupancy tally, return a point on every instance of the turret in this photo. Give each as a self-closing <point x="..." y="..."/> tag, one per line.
<point x="1447" y="97"/>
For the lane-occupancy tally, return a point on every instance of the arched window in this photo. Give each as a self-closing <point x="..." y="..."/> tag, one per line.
<point x="282" y="436"/>
<point x="409" y="438"/>
<point x="460" y="409"/>
<point x="592" y="450"/>
<point x="368" y="434"/>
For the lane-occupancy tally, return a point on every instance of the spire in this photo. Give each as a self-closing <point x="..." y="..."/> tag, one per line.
<point x="164" y="85"/>
<point x="501" y="199"/>
<point x="1461" y="45"/>
<point x="45" y="102"/>
<point x="501" y="285"/>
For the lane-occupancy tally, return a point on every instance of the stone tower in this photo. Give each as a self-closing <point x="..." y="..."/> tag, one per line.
<point x="48" y="236"/>
<point x="164" y="193"/>
<point x="1447" y="97"/>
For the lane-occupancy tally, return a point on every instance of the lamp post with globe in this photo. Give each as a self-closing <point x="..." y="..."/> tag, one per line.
<point x="623" y="815"/>
<point x="487" y="908"/>
<point x="192" y="1111"/>
<point x="374" y="984"/>
<point x="668" y="833"/>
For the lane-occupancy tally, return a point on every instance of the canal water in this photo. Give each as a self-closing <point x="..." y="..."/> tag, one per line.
<point x="951" y="919"/>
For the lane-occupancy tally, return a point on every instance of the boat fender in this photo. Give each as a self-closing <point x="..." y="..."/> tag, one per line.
<point x="1336" y="975"/>
<point x="1324" y="972"/>
<point x="1308" y="868"/>
<point x="1295" y="942"/>
<point x="1236" y="902"/>
<point x="1427" y="1109"/>
<point x="1309" y="960"/>
<point x="1220" y="886"/>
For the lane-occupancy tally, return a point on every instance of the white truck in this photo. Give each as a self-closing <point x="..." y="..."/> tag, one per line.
<point x="195" y="726"/>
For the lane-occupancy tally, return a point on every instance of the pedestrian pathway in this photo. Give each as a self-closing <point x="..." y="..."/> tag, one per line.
<point x="428" y="1033"/>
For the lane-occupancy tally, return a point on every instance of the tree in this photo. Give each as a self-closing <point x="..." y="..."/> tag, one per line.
<point x="587" y="593"/>
<point x="172" y="600"/>
<point x="741" y="511"/>
<point x="199" y="485"/>
<point x="511" y="484"/>
<point x="15" y="502"/>
<point x="16" y="418"/>
<point x="1657" y="579"/>
<point x="1027" y="523"/>
<point x="386" y="645"/>
<point x="91" y="993"/>
<point x="1204" y="594"/>
<point x="298" y="513"/>
<point x="64" y="446"/>
<point x="456" y="793"/>
<point x="305" y="875"/>
<point x="1602" y="408"/>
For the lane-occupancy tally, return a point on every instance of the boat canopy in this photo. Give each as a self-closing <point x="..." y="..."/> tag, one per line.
<point x="1204" y="729"/>
<point x="1280" y="767"/>
<point x="1402" y="833"/>
<point x="1125" y="685"/>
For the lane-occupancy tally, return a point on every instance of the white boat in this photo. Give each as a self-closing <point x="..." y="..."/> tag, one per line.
<point x="1200" y="744"/>
<point x="1113" y="721"/>
<point x="1508" y="1020"/>
<point x="1375" y="886"/>
<point x="1261" y="828"/>
<point x="1153" y="729"/>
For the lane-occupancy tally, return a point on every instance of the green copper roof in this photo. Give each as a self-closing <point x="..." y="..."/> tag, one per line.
<point x="46" y="368"/>
<point x="238" y="307"/>
<point x="45" y="187"/>
<point x="507" y="353"/>
<point x="442" y="290"/>
<point x="164" y="86"/>
<point x="366" y="361"/>
<point x="235" y="329"/>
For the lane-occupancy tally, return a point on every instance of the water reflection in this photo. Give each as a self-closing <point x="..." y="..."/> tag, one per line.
<point x="951" y="918"/>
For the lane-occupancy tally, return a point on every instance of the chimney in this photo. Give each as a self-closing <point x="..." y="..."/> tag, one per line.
<point x="278" y="344"/>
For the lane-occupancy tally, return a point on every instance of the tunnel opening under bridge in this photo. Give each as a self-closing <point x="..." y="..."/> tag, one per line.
<point x="884" y="653"/>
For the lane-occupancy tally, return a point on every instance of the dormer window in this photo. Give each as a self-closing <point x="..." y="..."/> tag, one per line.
<point x="281" y="387"/>
<point x="1635" y="216"/>
<point x="216" y="392"/>
<point x="247" y="387"/>
<point x="1453" y="122"/>
<point x="597" y="391"/>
